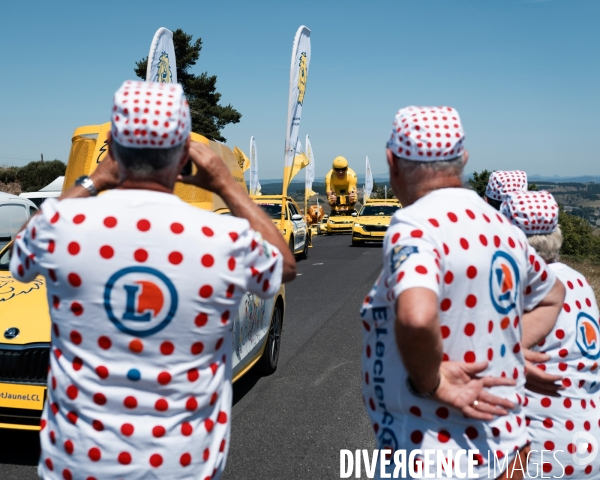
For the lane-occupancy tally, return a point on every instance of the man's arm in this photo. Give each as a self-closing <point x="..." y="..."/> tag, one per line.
<point x="454" y="383"/>
<point x="214" y="176"/>
<point x="540" y="321"/>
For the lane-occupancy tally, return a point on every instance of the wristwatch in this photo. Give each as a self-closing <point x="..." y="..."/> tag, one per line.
<point x="87" y="183"/>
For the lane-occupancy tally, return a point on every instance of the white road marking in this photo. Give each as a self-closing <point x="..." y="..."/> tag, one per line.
<point x="317" y="264"/>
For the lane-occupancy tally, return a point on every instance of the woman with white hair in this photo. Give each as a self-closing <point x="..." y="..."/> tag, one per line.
<point x="564" y="423"/>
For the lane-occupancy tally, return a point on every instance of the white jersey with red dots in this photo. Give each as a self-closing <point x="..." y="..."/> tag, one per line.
<point x="485" y="275"/>
<point x="555" y="424"/>
<point x="141" y="289"/>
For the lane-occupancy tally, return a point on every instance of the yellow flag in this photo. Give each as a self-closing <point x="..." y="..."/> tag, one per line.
<point x="300" y="161"/>
<point x="241" y="158"/>
<point x="310" y="193"/>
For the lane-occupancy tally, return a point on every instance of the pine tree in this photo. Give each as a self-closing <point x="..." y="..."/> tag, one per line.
<point x="208" y="116"/>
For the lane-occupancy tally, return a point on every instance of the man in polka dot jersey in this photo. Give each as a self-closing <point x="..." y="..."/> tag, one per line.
<point x="141" y="288"/>
<point x="503" y="182"/>
<point x="569" y="353"/>
<point x="442" y="361"/>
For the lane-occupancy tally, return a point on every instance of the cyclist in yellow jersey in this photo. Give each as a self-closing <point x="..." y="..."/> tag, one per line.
<point x="340" y="184"/>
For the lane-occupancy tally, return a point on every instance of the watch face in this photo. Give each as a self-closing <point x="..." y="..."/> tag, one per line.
<point x="81" y="179"/>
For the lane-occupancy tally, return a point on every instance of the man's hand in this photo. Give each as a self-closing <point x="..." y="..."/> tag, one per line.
<point x="212" y="175"/>
<point x="536" y="379"/>
<point x="106" y="175"/>
<point x="352" y="197"/>
<point x="332" y="198"/>
<point x="461" y="388"/>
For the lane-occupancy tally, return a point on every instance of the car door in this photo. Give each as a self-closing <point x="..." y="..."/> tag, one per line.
<point x="249" y="329"/>
<point x="299" y="228"/>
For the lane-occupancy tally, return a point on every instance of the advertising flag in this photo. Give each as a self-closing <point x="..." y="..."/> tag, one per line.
<point x="300" y="161"/>
<point x="241" y="158"/>
<point x="368" y="180"/>
<point x="254" y="183"/>
<point x="161" y="59"/>
<point x="310" y="169"/>
<point x="297" y="90"/>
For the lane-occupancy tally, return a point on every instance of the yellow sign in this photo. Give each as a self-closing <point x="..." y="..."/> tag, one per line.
<point x="14" y="395"/>
<point x="302" y="78"/>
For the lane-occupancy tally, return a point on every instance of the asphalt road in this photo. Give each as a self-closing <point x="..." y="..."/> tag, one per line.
<point x="293" y="423"/>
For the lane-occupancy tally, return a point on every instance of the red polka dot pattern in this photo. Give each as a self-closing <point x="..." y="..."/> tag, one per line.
<point x="150" y="114"/>
<point x="532" y="212"/>
<point x="502" y="182"/>
<point x="427" y="134"/>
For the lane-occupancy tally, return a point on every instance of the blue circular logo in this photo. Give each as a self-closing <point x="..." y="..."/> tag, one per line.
<point x="140" y="301"/>
<point x="504" y="282"/>
<point x="588" y="336"/>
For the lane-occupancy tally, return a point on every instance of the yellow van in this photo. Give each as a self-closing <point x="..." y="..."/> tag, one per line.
<point x="25" y="319"/>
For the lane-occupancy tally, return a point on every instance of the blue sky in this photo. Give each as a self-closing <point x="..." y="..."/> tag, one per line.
<point x="524" y="75"/>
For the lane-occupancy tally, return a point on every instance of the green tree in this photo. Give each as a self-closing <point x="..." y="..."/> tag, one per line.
<point x="208" y="116"/>
<point x="479" y="182"/>
<point x="33" y="176"/>
<point x="578" y="237"/>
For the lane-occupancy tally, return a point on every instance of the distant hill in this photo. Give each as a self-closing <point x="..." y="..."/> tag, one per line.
<point x="558" y="179"/>
<point x="379" y="178"/>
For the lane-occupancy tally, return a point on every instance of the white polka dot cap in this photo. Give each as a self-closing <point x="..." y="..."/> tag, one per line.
<point x="427" y="134"/>
<point x="502" y="182"/>
<point x="536" y="213"/>
<point x="150" y="115"/>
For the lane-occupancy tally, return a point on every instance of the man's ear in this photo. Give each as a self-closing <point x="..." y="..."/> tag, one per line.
<point x="391" y="163"/>
<point x="465" y="157"/>
<point x="185" y="153"/>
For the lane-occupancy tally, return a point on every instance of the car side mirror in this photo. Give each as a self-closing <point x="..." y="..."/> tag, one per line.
<point x="354" y="214"/>
<point x="296" y="217"/>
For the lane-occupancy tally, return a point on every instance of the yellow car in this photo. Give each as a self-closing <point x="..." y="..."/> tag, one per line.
<point x="373" y="220"/>
<point x="322" y="226"/>
<point x="340" y="223"/>
<point x="294" y="229"/>
<point x="25" y="320"/>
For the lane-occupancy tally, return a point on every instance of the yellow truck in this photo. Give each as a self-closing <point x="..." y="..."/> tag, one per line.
<point x="373" y="220"/>
<point x="25" y="320"/>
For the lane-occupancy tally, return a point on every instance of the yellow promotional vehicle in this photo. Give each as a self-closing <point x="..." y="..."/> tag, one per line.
<point x="25" y="320"/>
<point x="294" y="228"/>
<point x="373" y="220"/>
<point x="322" y="226"/>
<point x="340" y="222"/>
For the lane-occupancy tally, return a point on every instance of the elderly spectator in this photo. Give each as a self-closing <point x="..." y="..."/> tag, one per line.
<point x="142" y="288"/>
<point x="502" y="182"/>
<point x="569" y="353"/>
<point x="442" y="361"/>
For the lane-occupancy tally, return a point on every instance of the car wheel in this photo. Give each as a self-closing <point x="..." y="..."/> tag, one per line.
<point x="356" y="243"/>
<point x="319" y="230"/>
<point x="304" y="254"/>
<point x="292" y="244"/>
<point x="268" y="362"/>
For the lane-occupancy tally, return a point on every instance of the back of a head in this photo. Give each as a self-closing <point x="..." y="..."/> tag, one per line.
<point x="502" y="182"/>
<point x="536" y="214"/>
<point x="150" y="124"/>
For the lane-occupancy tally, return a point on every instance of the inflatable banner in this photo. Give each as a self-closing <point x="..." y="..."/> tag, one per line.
<point x="161" y="59"/>
<point x="298" y="77"/>
<point x="368" y="180"/>
<point x="254" y="183"/>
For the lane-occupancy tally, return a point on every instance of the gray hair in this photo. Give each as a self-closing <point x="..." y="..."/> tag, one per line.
<point x="146" y="162"/>
<point x="547" y="246"/>
<point x="414" y="171"/>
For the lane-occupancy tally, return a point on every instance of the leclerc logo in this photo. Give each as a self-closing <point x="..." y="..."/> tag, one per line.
<point x="588" y="336"/>
<point x="504" y="282"/>
<point x="140" y="301"/>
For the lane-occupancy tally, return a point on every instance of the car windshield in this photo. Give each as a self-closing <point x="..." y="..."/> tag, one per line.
<point x="5" y="259"/>
<point x="378" y="210"/>
<point x="273" y="210"/>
